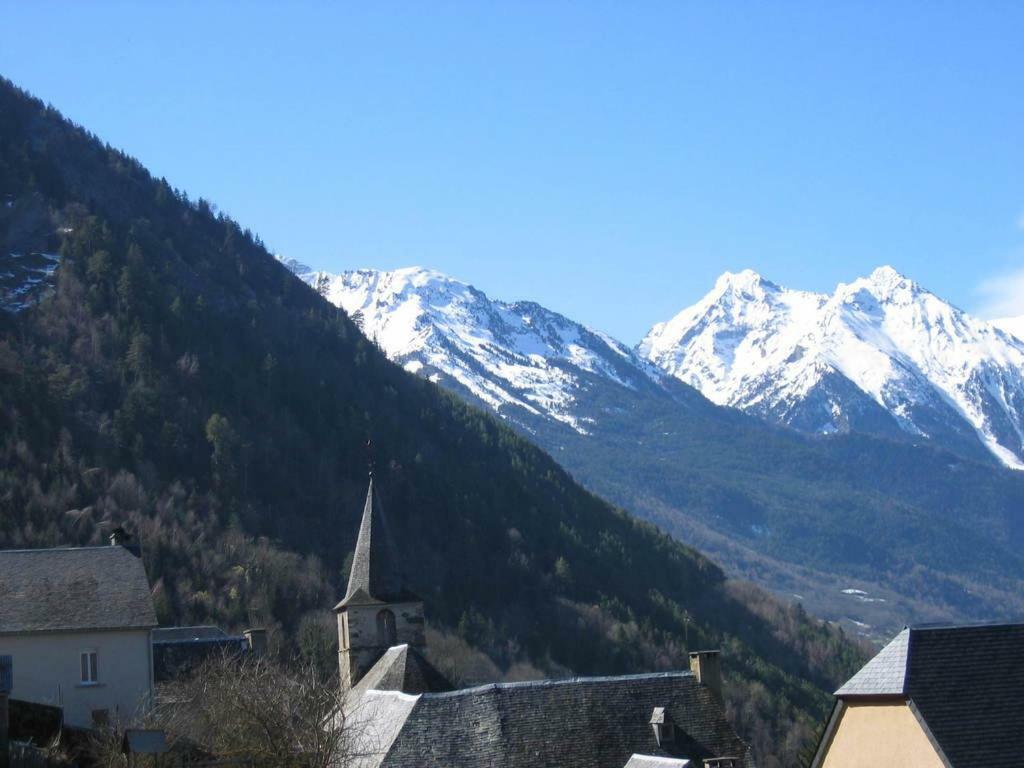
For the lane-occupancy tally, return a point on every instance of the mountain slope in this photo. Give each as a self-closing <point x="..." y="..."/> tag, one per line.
<point x="1012" y="325"/>
<point x="868" y="531"/>
<point x="519" y="359"/>
<point x="178" y="380"/>
<point x="881" y="355"/>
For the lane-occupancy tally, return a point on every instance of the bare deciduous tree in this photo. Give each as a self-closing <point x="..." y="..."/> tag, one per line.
<point x="256" y="709"/>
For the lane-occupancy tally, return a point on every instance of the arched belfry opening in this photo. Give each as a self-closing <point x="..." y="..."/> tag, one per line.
<point x="387" y="634"/>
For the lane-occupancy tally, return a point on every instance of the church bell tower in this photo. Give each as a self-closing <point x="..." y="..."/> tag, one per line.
<point x="377" y="611"/>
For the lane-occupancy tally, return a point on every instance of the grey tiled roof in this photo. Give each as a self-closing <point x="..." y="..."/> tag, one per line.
<point x="885" y="674"/>
<point x="402" y="668"/>
<point x="174" y="659"/>
<point x="375" y="576"/>
<point x="80" y="588"/>
<point x="596" y="722"/>
<point x="966" y="683"/>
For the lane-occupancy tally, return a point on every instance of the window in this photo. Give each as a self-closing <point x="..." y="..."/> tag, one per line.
<point x="89" y="667"/>
<point x="386" y="632"/>
<point x="722" y="762"/>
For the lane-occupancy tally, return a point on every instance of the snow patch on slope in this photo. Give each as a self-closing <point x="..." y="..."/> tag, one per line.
<point x="1011" y="325"/>
<point x="24" y="277"/>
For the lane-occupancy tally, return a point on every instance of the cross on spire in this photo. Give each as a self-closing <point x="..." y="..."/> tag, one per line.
<point x="370" y="466"/>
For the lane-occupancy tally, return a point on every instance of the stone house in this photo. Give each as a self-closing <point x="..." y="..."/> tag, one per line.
<point x="77" y="622"/>
<point x="402" y="712"/>
<point x="934" y="697"/>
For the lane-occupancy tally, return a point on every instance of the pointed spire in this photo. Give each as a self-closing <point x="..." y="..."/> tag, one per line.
<point x="375" y="577"/>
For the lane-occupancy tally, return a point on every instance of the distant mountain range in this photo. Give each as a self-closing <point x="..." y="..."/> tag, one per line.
<point x="797" y="509"/>
<point x="880" y="355"/>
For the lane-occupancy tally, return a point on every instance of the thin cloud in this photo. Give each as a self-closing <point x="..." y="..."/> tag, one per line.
<point x="1001" y="295"/>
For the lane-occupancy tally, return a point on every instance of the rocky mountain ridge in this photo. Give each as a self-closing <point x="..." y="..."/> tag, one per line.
<point x="881" y="355"/>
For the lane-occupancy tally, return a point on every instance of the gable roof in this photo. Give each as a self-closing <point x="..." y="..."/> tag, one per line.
<point x="73" y="588"/>
<point x="963" y="683"/>
<point x="375" y="576"/>
<point x="403" y="668"/>
<point x="597" y="722"/>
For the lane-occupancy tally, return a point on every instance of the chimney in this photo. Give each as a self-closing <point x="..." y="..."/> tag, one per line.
<point x="257" y="640"/>
<point x="707" y="666"/>
<point x="119" y="537"/>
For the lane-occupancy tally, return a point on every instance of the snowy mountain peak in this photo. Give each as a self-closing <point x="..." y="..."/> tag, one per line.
<point x="519" y="358"/>
<point x="885" y="284"/>
<point x="880" y="354"/>
<point x="746" y="280"/>
<point x="886" y="276"/>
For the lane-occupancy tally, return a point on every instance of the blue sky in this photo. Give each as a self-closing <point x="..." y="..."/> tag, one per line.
<point x="608" y="160"/>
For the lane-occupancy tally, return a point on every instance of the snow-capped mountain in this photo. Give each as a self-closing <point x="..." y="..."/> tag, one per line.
<point x="519" y="358"/>
<point x="881" y="355"/>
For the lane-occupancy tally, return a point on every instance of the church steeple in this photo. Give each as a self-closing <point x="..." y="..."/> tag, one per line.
<point x="377" y="612"/>
<point x="375" y="576"/>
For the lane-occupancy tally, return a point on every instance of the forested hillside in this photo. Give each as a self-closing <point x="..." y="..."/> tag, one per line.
<point x="180" y="381"/>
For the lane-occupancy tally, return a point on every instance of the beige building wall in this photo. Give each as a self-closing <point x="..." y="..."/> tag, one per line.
<point x="870" y="735"/>
<point x="47" y="670"/>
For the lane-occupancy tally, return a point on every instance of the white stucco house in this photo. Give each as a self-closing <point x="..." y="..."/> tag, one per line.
<point x="77" y="622"/>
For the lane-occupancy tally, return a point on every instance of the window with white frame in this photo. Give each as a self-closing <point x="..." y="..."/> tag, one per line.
<point x="89" y="667"/>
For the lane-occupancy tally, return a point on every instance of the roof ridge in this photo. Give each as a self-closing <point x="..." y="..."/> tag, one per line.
<point x="963" y="625"/>
<point x="60" y="549"/>
<point x="550" y="683"/>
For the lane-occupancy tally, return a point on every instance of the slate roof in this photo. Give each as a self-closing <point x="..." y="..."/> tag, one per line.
<point x="403" y="668"/>
<point x="178" y="651"/>
<point x="965" y="684"/>
<point x="885" y="674"/>
<point x="597" y="722"/>
<point x="375" y="575"/>
<point x="80" y="588"/>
